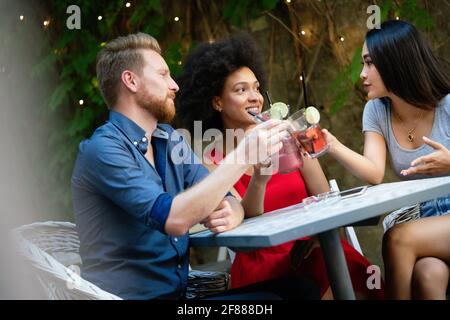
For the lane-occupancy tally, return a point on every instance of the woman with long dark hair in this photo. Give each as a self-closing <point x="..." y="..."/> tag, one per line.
<point x="409" y="115"/>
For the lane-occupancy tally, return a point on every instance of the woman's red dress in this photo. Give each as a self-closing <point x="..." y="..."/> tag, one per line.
<point x="284" y="190"/>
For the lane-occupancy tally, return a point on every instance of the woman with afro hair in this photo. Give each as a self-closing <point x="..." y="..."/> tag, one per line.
<point x="219" y="84"/>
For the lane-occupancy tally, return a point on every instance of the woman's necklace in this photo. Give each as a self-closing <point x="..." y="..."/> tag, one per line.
<point x="411" y="131"/>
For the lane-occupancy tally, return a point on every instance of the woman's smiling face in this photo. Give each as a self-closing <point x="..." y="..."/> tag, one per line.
<point x="240" y="94"/>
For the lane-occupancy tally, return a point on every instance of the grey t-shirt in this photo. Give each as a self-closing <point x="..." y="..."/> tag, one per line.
<point x="377" y="118"/>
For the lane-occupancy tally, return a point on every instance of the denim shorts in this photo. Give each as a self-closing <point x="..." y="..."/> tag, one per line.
<point x="435" y="207"/>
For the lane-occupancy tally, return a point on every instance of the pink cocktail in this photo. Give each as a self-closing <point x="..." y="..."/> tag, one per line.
<point x="289" y="157"/>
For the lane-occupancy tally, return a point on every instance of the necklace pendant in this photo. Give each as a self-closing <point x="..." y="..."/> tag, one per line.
<point x="410" y="137"/>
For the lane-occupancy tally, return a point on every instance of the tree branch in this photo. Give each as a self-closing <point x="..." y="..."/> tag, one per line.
<point x="206" y="25"/>
<point x="288" y="30"/>
<point x="313" y="63"/>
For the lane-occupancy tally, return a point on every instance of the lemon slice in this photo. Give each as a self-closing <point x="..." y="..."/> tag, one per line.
<point x="312" y="115"/>
<point x="279" y="110"/>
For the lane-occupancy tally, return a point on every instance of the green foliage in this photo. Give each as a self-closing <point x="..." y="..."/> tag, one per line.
<point x="345" y="82"/>
<point x="235" y="11"/>
<point x="148" y="17"/>
<point x="411" y="11"/>
<point x="174" y="57"/>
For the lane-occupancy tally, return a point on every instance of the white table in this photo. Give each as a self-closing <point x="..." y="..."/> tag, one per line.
<point x="295" y="222"/>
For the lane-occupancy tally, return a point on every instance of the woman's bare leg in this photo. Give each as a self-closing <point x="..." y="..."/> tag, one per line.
<point x="430" y="279"/>
<point x="404" y="244"/>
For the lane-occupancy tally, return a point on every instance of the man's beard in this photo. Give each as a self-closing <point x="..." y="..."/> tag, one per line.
<point x="163" y="111"/>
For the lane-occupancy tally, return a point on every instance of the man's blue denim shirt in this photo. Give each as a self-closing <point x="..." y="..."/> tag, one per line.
<point x="121" y="203"/>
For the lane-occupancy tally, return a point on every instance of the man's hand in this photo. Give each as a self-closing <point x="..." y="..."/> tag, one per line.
<point x="228" y="215"/>
<point x="436" y="163"/>
<point x="261" y="142"/>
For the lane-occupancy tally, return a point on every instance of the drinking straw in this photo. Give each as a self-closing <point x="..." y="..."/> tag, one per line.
<point x="304" y="90"/>
<point x="268" y="98"/>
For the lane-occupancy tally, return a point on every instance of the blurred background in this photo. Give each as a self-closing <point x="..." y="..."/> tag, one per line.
<point x="50" y="99"/>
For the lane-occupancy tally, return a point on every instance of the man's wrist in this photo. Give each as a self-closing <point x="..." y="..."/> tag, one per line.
<point x="233" y="158"/>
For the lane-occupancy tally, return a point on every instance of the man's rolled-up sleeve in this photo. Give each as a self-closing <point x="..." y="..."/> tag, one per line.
<point x="111" y="169"/>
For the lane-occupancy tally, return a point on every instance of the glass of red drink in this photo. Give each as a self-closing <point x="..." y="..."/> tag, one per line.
<point x="289" y="157"/>
<point x="310" y="136"/>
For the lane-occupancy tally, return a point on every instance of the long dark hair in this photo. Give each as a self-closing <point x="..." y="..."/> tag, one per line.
<point x="406" y="64"/>
<point x="204" y="74"/>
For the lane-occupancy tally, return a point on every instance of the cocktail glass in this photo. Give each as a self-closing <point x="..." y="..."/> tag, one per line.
<point x="310" y="136"/>
<point x="289" y="157"/>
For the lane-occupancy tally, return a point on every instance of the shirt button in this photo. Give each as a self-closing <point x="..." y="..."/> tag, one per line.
<point x="175" y="239"/>
<point x="179" y="266"/>
<point x="135" y="143"/>
<point x="144" y="139"/>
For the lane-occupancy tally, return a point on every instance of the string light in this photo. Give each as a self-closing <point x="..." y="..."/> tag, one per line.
<point x="301" y="78"/>
<point x="46" y="23"/>
<point x="127" y="4"/>
<point x="288" y="1"/>
<point x="21" y="18"/>
<point x="303" y="32"/>
<point x="342" y="38"/>
<point x="397" y="18"/>
<point x="179" y="63"/>
<point x="100" y="18"/>
<point x="81" y="102"/>
<point x="176" y="19"/>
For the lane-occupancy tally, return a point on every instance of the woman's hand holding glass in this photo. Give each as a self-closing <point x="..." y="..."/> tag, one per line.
<point x="332" y="141"/>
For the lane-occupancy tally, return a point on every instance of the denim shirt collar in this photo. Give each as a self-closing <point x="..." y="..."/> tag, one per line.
<point x="134" y="132"/>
